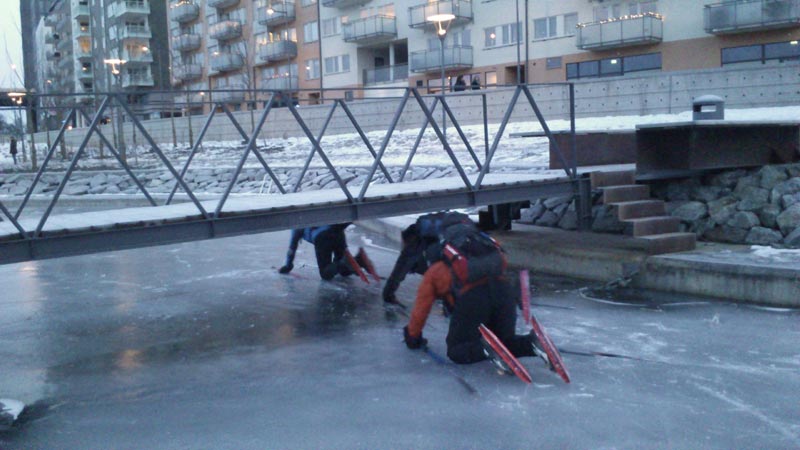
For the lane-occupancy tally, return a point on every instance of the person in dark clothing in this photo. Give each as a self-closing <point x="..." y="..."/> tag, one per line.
<point x="330" y="246"/>
<point x="460" y="85"/>
<point x="13" y="149"/>
<point x="490" y="303"/>
<point x="476" y="83"/>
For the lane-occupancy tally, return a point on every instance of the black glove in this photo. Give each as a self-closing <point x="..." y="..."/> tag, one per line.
<point x="388" y="295"/>
<point x="413" y="343"/>
<point x="286" y="269"/>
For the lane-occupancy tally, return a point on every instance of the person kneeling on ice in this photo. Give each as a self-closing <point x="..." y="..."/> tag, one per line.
<point x="330" y="246"/>
<point x="470" y="279"/>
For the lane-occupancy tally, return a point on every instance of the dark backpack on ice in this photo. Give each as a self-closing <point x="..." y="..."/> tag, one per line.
<point x="473" y="256"/>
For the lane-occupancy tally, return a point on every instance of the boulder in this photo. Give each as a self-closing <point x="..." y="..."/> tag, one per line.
<point x="763" y="236"/>
<point x="690" y="211"/>
<point x="743" y="219"/>
<point x="98" y="180"/>
<point x="793" y="239"/>
<point x="752" y="198"/>
<point x="769" y="215"/>
<point x="727" y="179"/>
<point x="552" y="202"/>
<point x="548" y="219"/>
<point x="789" y="219"/>
<point x="748" y="180"/>
<point x="706" y="194"/>
<point x="790" y="199"/>
<point x="772" y="175"/>
<point x="605" y="220"/>
<point x="722" y="209"/>
<point x="788" y="187"/>
<point x="725" y="233"/>
<point x="569" y="221"/>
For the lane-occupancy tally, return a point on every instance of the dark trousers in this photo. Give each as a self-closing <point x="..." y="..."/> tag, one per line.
<point x="329" y="247"/>
<point x="14" y="155"/>
<point x="494" y="305"/>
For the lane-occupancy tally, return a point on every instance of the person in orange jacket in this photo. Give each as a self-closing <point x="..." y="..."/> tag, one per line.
<point x="490" y="302"/>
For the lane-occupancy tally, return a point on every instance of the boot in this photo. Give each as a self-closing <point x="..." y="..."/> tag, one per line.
<point x="494" y="357"/>
<point x="538" y="350"/>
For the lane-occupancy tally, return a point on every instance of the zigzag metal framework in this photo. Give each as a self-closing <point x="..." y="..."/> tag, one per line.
<point x="315" y="141"/>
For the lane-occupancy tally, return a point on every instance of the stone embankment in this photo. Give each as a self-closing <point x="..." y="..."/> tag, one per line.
<point x="755" y="206"/>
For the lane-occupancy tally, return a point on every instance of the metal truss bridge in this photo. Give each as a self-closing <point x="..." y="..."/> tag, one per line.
<point x="57" y="235"/>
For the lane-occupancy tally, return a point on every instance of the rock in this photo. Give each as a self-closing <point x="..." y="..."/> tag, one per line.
<point x="552" y="202"/>
<point x="605" y="220"/>
<point x="722" y="209"/>
<point x="680" y="191"/>
<point x="76" y="189"/>
<point x="771" y="175"/>
<point x="560" y="210"/>
<point x="788" y="187"/>
<point x="793" y="239"/>
<point x="793" y="170"/>
<point x="706" y="194"/>
<point x="769" y="215"/>
<point x="569" y="221"/>
<point x="748" y="180"/>
<point x="743" y="219"/>
<point x="112" y="189"/>
<point x="726" y="234"/>
<point x="691" y="211"/>
<point x="700" y="227"/>
<point x="762" y="236"/>
<point x="752" y="198"/>
<point x="789" y="219"/>
<point x="790" y="199"/>
<point x="727" y="179"/>
<point x="17" y="189"/>
<point x="548" y="219"/>
<point x="97" y="189"/>
<point x="98" y="180"/>
<point x="529" y="215"/>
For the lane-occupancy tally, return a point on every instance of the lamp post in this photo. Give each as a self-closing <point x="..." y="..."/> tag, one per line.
<point x="442" y="22"/>
<point x="115" y="65"/>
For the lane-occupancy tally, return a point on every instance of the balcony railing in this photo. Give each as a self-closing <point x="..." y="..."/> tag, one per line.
<point x="188" y="72"/>
<point x="236" y="96"/>
<point x="278" y="50"/>
<point x="130" y="8"/>
<point x="84" y="74"/>
<point x="386" y="74"/>
<point x="222" y="3"/>
<point x="137" y="80"/>
<point x="461" y="9"/>
<point x="186" y="42"/>
<point x="456" y="57"/>
<point x="137" y="57"/>
<point x="225" y="62"/>
<point x="370" y="29"/>
<point x="184" y="11"/>
<point x="225" y="30"/>
<point x="278" y="13"/>
<point x="621" y="32"/>
<point x="82" y="54"/>
<point x="83" y="31"/>
<point x="343" y="3"/>
<point x="135" y="32"/>
<point x="81" y="11"/>
<point x="282" y="83"/>
<point x="751" y="15"/>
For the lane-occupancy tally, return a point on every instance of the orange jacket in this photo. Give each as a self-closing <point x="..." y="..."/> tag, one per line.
<point x="436" y="284"/>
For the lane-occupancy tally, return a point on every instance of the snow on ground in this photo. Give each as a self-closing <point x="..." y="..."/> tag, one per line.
<point x="349" y="150"/>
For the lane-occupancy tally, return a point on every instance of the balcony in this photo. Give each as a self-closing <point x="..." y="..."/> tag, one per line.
<point x="138" y="57"/>
<point x="225" y="30"/>
<point x="83" y="54"/>
<point x="83" y="31"/>
<point x="462" y="9"/>
<point x="124" y="9"/>
<point x="53" y="56"/>
<point x="135" y="32"/>
<point x="222" y="4"/>
<point x="51" y="38"/>
<point x="751" y="15"/>
<point x="343" y="3"/>
<point x="188" y="72"/>
<point x="281" y="83"/>
<point x="184" y="11"/>
<point x="621" y="32"/>
<point x="186" y="42"/>
<point x="282" y="13"/>
<point x="278" y="50"/>
<point x="386" y="74"/>
<point x="224" y="96"/>
<point x="226" y="62"/>
<point x="137" y="80"/>
<point x="81" y="11"/>
<point x="457" y="57"/>
<point x="84" y="74"/>
<point x="370" y="30"/>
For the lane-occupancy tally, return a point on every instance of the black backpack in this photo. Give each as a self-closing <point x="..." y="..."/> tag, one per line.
<point x="473" y="256"/>
<point x="431" y="228"/>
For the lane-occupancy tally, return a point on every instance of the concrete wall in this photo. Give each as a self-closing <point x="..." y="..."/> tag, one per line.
<point x="647" y="94"/>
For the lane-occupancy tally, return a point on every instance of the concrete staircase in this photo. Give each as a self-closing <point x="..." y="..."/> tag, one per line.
<point x="644" y="218"/>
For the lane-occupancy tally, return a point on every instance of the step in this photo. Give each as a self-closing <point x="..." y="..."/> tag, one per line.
<point x="625" y="193"/>
<point x="612" y="178"/>
<point x="647" y="226"/>
<point x="670" y="242"/>
<point x="639" y="208"/>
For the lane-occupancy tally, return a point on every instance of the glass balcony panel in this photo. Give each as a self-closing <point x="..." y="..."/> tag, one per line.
<point x="225" y="62"/>
<point x="370" y="29"/>
<point x="229" y="94"/>
<point x="130" y="8"/>
<point x="386" y="74"/>
<point x="222" y="3"/>
<point x="461" y="9"/>
<point x="187" y="72"/>
<point x="81" y="11"/>
<point x="751" y="15"/>
<point x="622" y="32"/>
<point x="184" y="11"/>
<point x="343" y="3"/>
<point x="456" y="57"/>
<point x="282" y="13"/>
<point x="281" y="83"/>
<point x="225" y="30"/>
<point x="137" y="80"/>
<point x="186" y="42"/>
<point x="278" y="51"/>
<point x="135" y="32"/>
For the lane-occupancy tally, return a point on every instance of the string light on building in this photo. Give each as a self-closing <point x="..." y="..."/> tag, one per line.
<point x="622" y="18"/>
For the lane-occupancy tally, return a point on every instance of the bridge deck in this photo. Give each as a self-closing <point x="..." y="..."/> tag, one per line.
<point x="90" y="232"/>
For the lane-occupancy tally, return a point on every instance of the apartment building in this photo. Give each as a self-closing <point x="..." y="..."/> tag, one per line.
<point x="242" y="45"/>
<point x="75" y="39"/>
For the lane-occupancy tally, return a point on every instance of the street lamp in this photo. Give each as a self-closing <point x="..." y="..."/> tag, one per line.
<point x="442" y="22"/>
<point x="17" y="98"/>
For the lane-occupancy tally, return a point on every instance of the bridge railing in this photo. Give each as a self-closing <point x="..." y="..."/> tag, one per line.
<point x="218" y="103"/>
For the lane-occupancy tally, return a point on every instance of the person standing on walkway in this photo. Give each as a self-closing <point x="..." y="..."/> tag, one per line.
<point x="13" y="149"/>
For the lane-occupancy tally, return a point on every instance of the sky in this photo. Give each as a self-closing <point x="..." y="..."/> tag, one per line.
<point x="10" y="44"/>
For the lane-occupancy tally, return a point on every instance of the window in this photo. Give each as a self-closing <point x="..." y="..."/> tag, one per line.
<point x="310" y="32"/>
<point x="611" y="66"/>
<point x="775" y="51"/>
<point x="312" y="69"/>
<point x="741" y="54"/>
<point x="570" y="23"/>
<point x="554" y="63"/>
<point x="502" y="35"/>
<point x="490" y="78"/>
<point x="638" y="63"/>
<point x="614" y="66"/>
<point x="337" y="64"/>
<point x="782" y="50"/>
<point x="331" y="27"/>
<point x="305" y="3"/>
<point x="490" y="39"/>
<point x="548" y="27"/>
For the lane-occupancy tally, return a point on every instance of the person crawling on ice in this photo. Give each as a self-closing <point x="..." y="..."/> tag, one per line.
<point x="330" y="247"/>
<point x="470" y="278"/>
